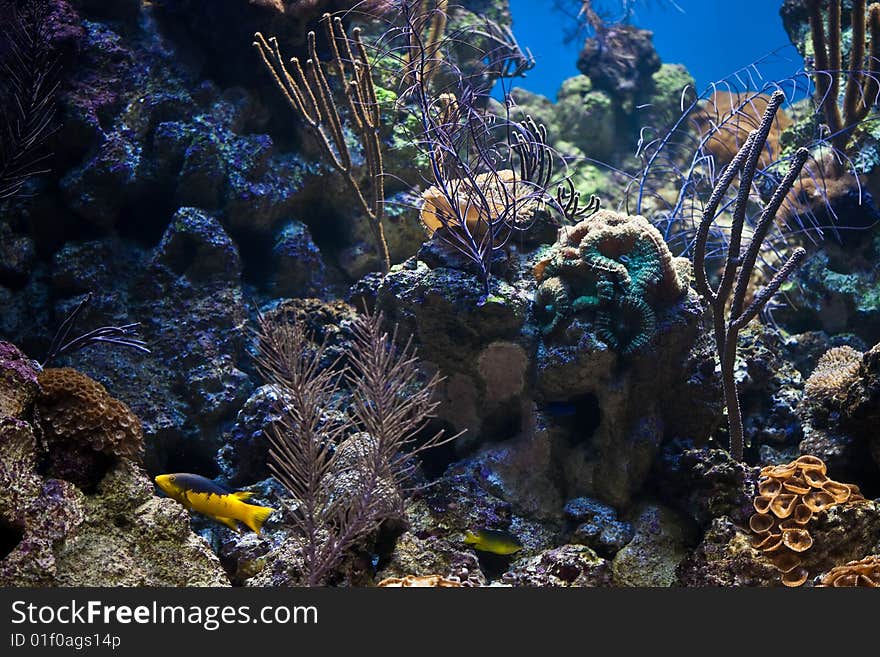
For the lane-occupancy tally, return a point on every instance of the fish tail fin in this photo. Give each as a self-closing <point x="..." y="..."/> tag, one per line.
<point x="229" y="522"/>
<point x="242" y="495"/>
<point x="256" y="516"/>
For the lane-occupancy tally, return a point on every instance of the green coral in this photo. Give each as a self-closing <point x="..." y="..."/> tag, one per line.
<point x="616" y="265"/>
<point x="586" y="117"/>
<point x="667" y="85"/>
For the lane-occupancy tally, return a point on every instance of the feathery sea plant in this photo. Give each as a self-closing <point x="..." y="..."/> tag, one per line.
<point x="307" y="89"/>
<point x="730" y="315"/>
<point x="487" y="174"/>
<point x="346" y="470"/>
<point x="684" y="157"/>
<point x="28" y="81"/>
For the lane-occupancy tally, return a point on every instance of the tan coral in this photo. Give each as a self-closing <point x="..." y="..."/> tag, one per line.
<point x="76" y="410"/>
<point x="789" y="497"/>
<point x="420" y="581"/>
<point x="479" y="203"/>
<point x="863" y="573"/>
<point x="825" y="389"/>
<point x="738" y="114"/>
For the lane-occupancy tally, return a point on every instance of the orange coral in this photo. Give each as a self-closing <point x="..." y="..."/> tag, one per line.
<point x="788" y="498"/>
<point x="422" y="581"/>
<point x="863" y="573"/>
<point x="78" y="411"/>
<point x="736" y="115"/>
<point x="501" y="191"/>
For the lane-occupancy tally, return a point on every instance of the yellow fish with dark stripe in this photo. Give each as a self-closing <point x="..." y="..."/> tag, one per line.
<point x="202" y="495"/>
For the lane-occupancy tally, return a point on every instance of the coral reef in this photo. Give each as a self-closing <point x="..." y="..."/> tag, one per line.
<point x="555" y="264"/>
<point x="569" y="565"/>
<point x="115" y="533"/>
<point x="862" y="573"/>
<point x="788" y="498"/>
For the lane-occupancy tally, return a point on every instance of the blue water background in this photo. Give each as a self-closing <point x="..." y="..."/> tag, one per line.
<point x="712" y="38"/>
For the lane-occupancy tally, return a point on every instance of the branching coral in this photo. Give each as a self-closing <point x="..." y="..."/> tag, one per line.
<point x="728" y="117"/>
<point x="738" y="267"/>
<point x="788" y="498"/>
<point x="616" y="264"/>
<point x="308" y="92"/>
<point x="345" y="471"/>
<point x="27" y="90"/>
<point x="862" y="85"/>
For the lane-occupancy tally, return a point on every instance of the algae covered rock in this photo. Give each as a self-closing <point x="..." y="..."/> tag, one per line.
<point x="566" y="566"/>
<point x="662" y="541"/>
<point x="18" y="382"/>
<point x="586" y="117"/>
<point x="620" y="62"/>
<point x="464" y="335"/>
<point x="597" y="526"/>
<point x="112" y="531"/>
<point x="726" y="557"/>
<point x="414" y="555"/>
<point x="130" y="537"/>
<point x="706" y="483"/>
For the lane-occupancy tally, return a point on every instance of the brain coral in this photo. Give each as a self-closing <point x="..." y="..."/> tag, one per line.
<point x="83" y="423"/>
<point x="863" y="573"/>
<point x="788" y="498"/>
<point x="617" y="265"/>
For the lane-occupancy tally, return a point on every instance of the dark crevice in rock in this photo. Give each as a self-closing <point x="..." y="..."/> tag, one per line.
<point x="10" y="537"/>
<point x="586" y="416"/>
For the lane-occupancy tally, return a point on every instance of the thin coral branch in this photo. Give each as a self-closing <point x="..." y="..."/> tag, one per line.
<point x="308" y="92"/>
<point x="123" y="336"/>
<point x="28" y="83"/>
<point x="738" y="268"/>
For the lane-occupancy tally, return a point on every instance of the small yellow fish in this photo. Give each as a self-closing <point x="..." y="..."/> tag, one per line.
<point x="199" y="494"/>
<point x="492" y="540"/>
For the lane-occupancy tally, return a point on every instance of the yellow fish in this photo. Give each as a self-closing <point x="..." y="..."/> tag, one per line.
<point x="494" y="541"/>
<point x="199" y="494"/>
